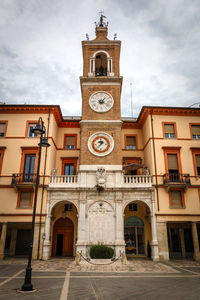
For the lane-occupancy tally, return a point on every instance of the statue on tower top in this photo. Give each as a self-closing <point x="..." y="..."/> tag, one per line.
<point x="101" y="23"/>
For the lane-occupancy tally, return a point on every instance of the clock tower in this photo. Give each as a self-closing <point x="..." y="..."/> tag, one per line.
<point x="101" y="86"/>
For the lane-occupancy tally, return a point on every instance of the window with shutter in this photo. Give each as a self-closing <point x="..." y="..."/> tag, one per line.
<point x="169" y="131"/>
<point x="197" y="157"/>
<point x="70" y="142"/>
<point x="173" y="167"/>
<point x="2" y="129"/>
<point x="25" y="198"/>
<point x="195" y="131"/>
<point x="177" y="199"/>
<point x="130" y="142"/>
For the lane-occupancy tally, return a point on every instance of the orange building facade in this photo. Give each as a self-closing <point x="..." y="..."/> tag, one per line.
<point x="132" y="184"/>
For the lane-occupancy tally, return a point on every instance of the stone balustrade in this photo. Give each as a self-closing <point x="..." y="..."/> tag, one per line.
<point x="124" y="181"/>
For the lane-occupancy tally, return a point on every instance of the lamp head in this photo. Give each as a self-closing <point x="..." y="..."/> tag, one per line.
<point x="44" y="143"/>
<point x="38" y="129"/>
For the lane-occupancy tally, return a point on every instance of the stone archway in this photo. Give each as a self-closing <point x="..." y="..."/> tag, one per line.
<point x="137" y="229"/>
<point x="63" y="235"/>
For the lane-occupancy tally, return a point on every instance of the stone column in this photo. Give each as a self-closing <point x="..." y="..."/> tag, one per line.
<point x="154" y="241"/>
<point x="119" y="225"/>
<point x="47" y="242"/>
<point x="181" y="233"/>
<point x="162" y="240"/>
<point x="195" y="241"/>
<point x="3" y="240"/>
<point x="81" y="241"/>
<point x="35" y="241"/>
<point x="13" y="241"/>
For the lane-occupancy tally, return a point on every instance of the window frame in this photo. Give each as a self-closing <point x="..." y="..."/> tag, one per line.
<point x="172" y="150"/>
<point x="64" y="143"/>
<point x="71" y="160"/>
<point x="132" y="160"/>
<point x="2" y="150"/>
<point x="193" y="124"/>
<point x="136" y="141"/>
<point x="175" y="130"/>
<point x="19" y="198"/>
<point x="195" y="151"/>
<point x="28" y="123"/>
<point x="182" y="198"/>
<point x="29" y="151"/>
<point x="6" y="126"/>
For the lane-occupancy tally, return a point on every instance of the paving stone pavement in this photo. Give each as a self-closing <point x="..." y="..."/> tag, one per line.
<point x="133" y="265"/>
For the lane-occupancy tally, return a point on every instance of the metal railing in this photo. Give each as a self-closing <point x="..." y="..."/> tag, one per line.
<point x="176" y="178"/>
<point x="18" y="178"/>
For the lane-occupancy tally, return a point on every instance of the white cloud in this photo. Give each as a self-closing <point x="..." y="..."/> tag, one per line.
<point x="41" y="55"/>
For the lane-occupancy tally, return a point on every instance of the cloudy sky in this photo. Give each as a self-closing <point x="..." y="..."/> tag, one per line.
<point x="41" y="55"/>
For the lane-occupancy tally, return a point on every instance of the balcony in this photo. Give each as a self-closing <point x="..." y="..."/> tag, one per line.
<point x="88" y="180"/>
<point x="23" y="179"/>
<point x="63" y="180"/>
<point x="137" y="180"/>
<point x="176" y="180"/>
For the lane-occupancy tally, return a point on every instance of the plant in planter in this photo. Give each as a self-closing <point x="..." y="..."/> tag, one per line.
<point x="101" y="252"/>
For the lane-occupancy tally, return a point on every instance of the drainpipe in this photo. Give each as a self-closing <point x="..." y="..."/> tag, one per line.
<point x="155" y="166"/>
<point x="43" y="187"/>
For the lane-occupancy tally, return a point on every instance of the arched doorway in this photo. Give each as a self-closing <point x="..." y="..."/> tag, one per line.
<point x="137" y="229"/>
<point x="63" y="235"/>
<point x="134" y="236"/>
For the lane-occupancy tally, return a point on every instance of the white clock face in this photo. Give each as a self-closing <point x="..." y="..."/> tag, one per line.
<point x="100" y="144"/>
<point x="101" y="102"/>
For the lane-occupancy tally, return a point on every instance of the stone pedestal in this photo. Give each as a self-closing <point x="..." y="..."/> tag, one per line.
<point x="162" y="240"/>
<point x="195" y="241"/>
<point x="3" y="240"/>
<point x="46" y="250"/>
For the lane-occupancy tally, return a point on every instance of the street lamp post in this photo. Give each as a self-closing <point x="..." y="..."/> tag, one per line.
<point x="40" y="130"/>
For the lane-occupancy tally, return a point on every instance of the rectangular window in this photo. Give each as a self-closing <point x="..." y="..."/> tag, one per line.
<point x="197" y="157"/>
<point x="2" y="129"/>
<point x="29" y="167"/>
<point x="195" y="131"/>
<point x="177" y="199"/>
<point x="70" y="142"/>
<point x="173" y="167"/>
<point x="169" y="131"/>
<point x="133" y="207"/>
<point x="69" y="169"/>
<point x="68" y="207"/>
<point x="30" y="132"/>
<point x="130" y="142"/>
<point x="25" y="199"/>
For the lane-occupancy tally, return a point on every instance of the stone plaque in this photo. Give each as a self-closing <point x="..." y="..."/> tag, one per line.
<point x="101" y="223"/>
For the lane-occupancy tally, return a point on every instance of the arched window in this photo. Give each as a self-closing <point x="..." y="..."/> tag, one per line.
<point x="101" y="64"/>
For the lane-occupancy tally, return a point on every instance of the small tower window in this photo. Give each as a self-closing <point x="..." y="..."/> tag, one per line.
<point x="101" y="65"/>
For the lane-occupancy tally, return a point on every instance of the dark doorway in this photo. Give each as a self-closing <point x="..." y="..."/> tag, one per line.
<point x="59" y="247"/>
<point x="189" y="248"/>
<point x="23" y="242"/>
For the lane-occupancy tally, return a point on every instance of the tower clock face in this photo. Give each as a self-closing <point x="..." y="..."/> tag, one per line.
<point x="101" y="102"/>
<point x="100" y="144"/>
